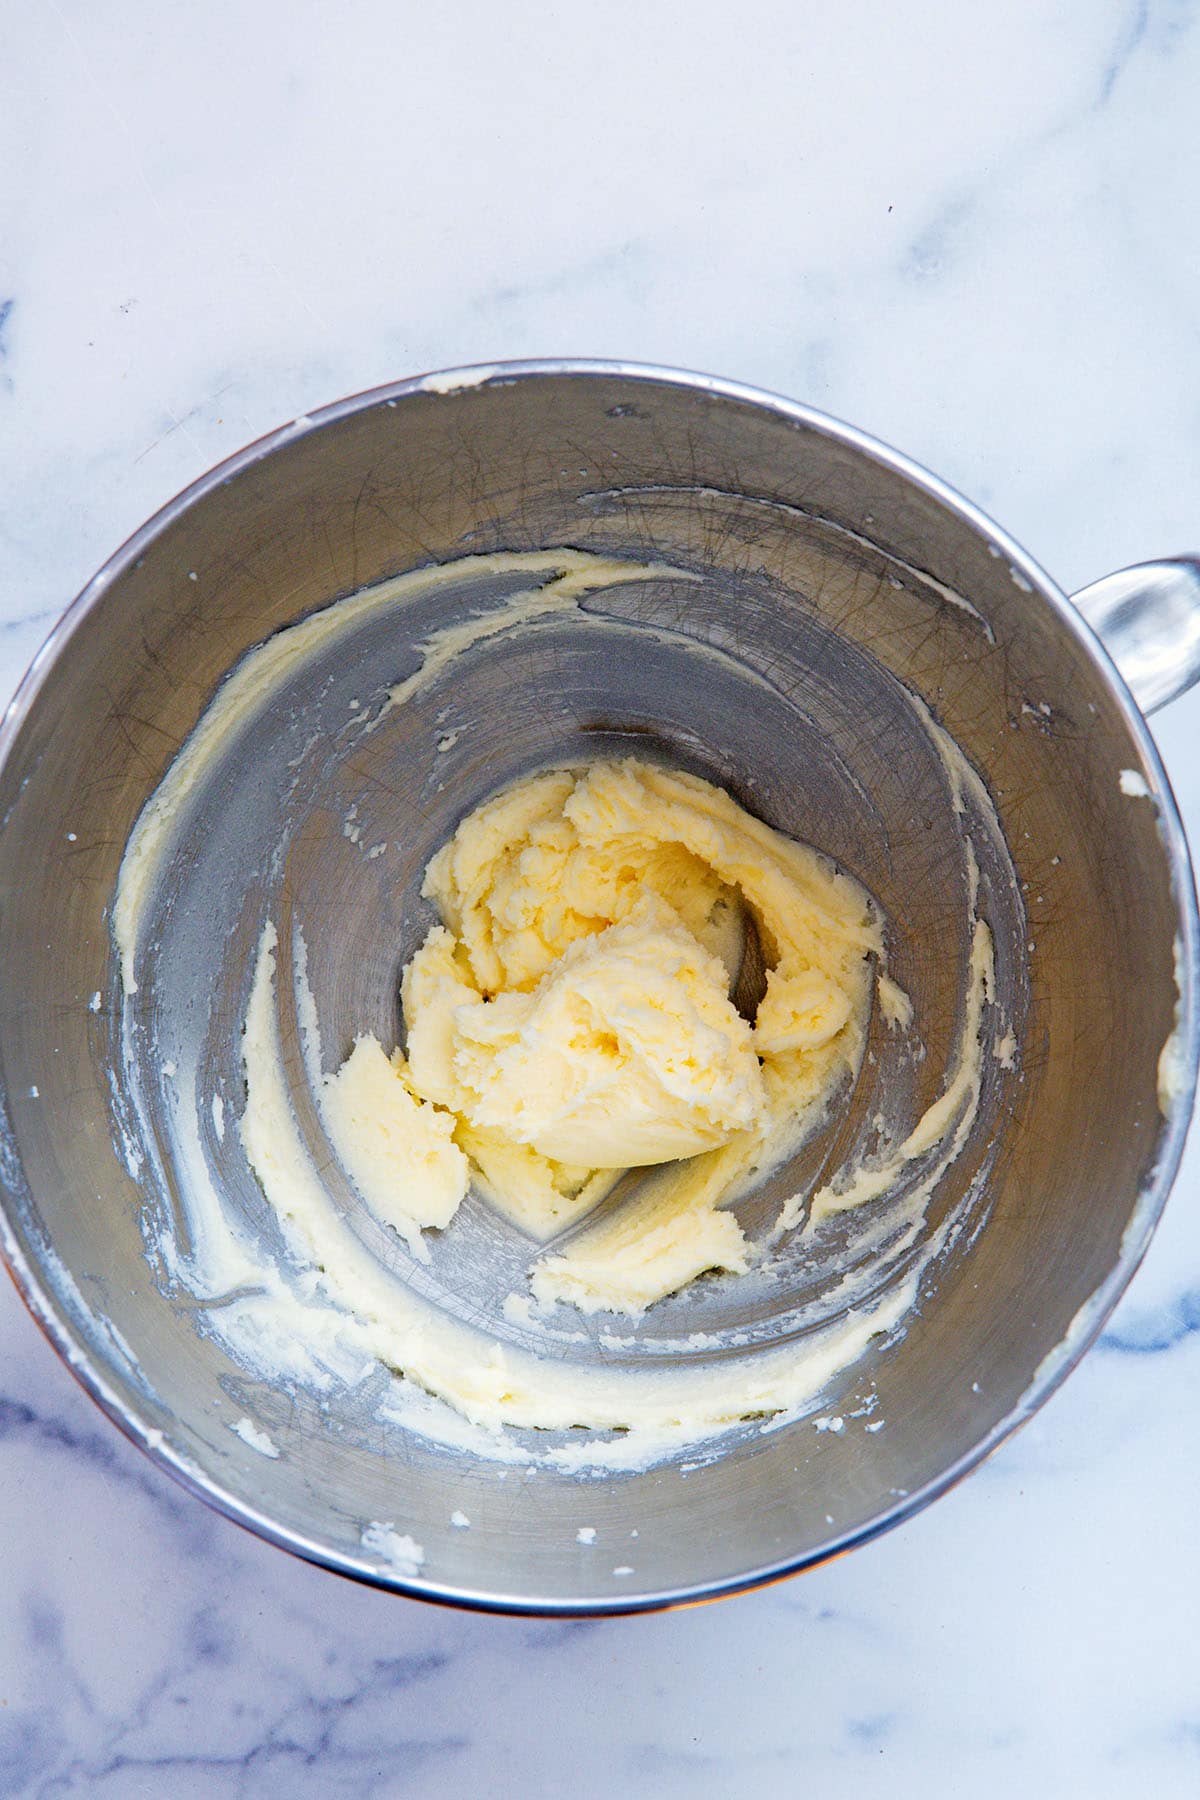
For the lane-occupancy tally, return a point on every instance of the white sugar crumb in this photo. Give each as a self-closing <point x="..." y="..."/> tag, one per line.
<point x="460" y="1521"/>
<point x="877" y="1426"/>
<point x="35" y="1092"/>
<point x="218" y="1117"/>
<point x="1172" y="1072"/>
<point x="835" y="1424"/>
<point x="170" y="1070"/>
<point x="894" y="1003"/>
<point x="94" y="1002"/>
<point x="258" y="1440"/>
<point x="447" y="381"/>
<point x="1133" y="784"/>
<point x="1004" y="1049"/>
<point x="404" y="1554"/>
<point x="447" y="741"/>
<point x="518" y="1309"/>
<point x="975" y="1388"/>
<point x="586" y="1534"/>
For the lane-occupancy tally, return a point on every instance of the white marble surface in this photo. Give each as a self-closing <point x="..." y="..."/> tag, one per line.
<point x="969" y="229"/>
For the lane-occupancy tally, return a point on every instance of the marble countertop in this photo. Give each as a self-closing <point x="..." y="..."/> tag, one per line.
<point x="970" y="230"/>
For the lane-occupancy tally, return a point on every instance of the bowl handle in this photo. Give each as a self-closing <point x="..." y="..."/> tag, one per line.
<point x="1148" y="619"/>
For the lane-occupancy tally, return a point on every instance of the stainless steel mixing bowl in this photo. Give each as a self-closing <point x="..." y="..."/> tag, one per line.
<point x="836" y="573"/>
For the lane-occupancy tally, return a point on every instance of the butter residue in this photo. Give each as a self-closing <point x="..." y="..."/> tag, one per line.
<point x="1133" y="784"/>
<point x="944" y="1125"/>
<point x="401" y="1552"/>
<point x="398" y="1151"/>
<point x="561" y="578"/>
<point x="347" y="1303"/>
<point x="255" y="1437"/>
<point x="656" y="1244"/>
<point x="894" y="1003"/>
<point x="1172" y="1059"/>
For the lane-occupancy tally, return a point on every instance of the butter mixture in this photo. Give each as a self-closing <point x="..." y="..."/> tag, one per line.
<point x="637" y="1002"/>
<point x="571" y="1018"/>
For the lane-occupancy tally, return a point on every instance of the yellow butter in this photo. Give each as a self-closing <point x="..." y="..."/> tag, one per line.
<point x="398" y="1150"/>
<point x="627" y="1052"/>
<point x="571" y="1017"/>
